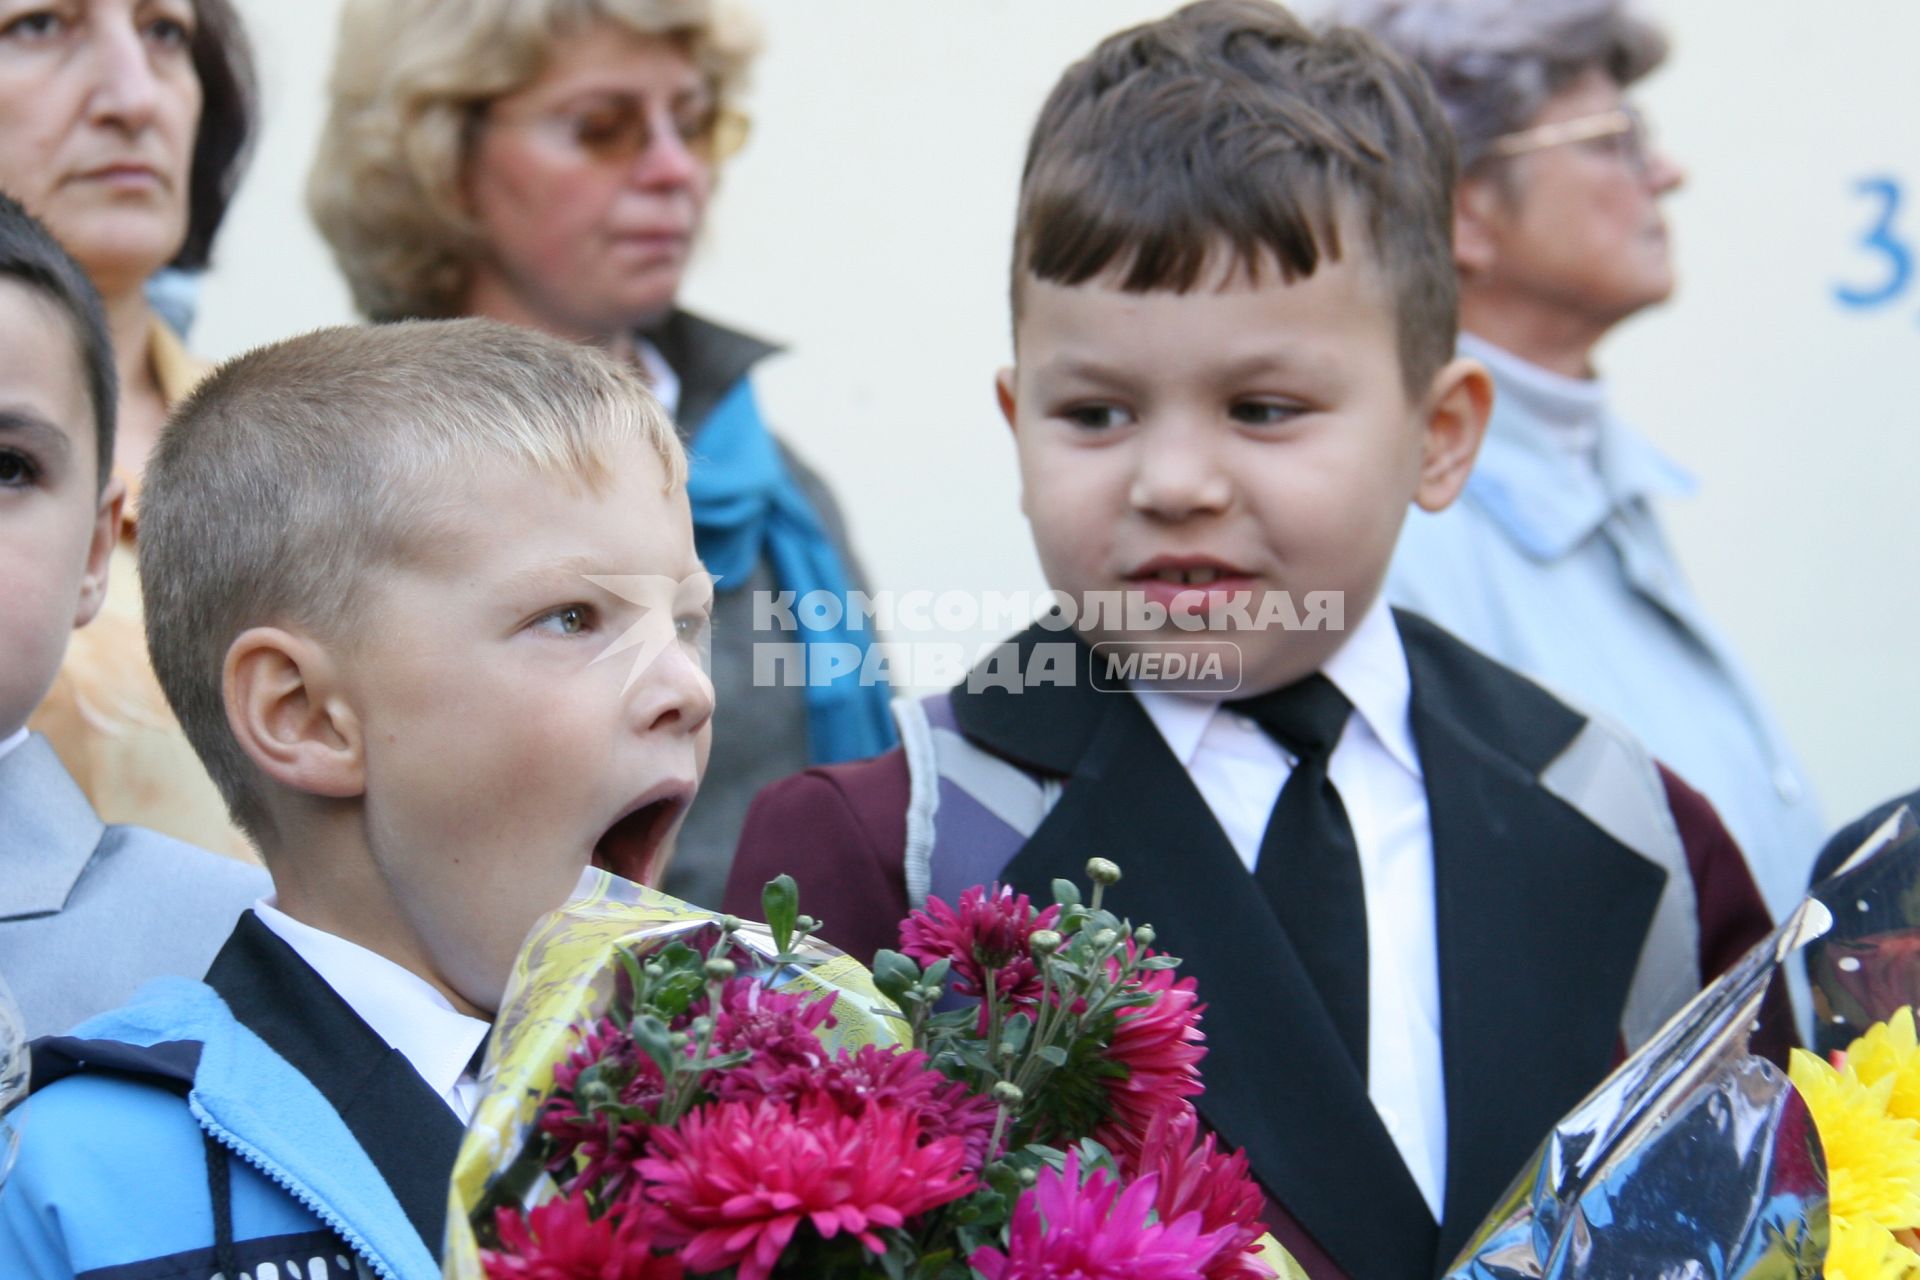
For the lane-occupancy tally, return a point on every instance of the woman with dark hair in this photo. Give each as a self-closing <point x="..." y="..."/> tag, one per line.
<point x="124" y="125"/>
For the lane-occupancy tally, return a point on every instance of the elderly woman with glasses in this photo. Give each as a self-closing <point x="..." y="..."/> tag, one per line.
<point x="549" y="163"/>
<point x="1555" y="562"/>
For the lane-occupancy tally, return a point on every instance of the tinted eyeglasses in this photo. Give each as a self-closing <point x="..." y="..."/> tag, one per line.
<point x="1621" y="131"/>
<point x="620" y="128"/>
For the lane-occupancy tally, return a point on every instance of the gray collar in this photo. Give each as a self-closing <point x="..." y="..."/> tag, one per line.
<point x="48" y="831"/>
<point x="1544" y="498"/>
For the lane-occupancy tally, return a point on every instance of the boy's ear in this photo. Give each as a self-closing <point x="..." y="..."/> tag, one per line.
<point x="1479" y="206"/>
<point x="106" y="536"/>
<point x="1003" y="392"/>
<point x="1458" y="404"/>
<point x="286" y="708"/>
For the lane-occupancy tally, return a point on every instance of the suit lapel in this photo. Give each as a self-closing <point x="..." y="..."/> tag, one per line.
<point x="1541" y="917"/>
<point x="405" y="1128"/>
<point x="1279" y="1084"/>
<point x="48" y="831"/>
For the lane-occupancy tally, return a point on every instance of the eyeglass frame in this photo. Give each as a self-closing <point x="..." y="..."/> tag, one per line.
<point x="721" y="135"/>
<point x="1618" y="122"/>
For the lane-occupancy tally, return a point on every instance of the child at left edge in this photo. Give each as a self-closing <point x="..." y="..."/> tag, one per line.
<point x="370" y="557"/>
<point x="88" y="910"/>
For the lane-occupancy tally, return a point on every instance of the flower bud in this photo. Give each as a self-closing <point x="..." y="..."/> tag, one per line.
<point x="720" y="969"/>
<point x="596" y="1093"/>
<point x="1008" y="1094"/>
<point x="1044" y="942"/>
<point x="1105" y="938"/>
<point x="1144" y="935"/>
<point x="1101" y="871"/>
<point x="678" y="1040"/>
<point x="1029" y="1176"/>
<point x="731" y="923"/>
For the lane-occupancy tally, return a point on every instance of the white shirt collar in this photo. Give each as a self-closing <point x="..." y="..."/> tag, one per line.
<point x="661" y="376"/>
<point x="1370" y="668"/>
<point x="12" y="740"/>
<point x="403" y="1008"/>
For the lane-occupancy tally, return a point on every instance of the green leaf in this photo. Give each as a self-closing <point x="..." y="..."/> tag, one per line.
<point x="1160" y="962"/>
<point x="895" y="976"/>
<point x="1066" y="893"/>
<point x="1052" y="1054"/>
<point x="653" y="1037"/>
<point x="780" y="901"/>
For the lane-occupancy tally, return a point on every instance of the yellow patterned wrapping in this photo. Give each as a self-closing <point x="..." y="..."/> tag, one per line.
<point x="564" y="979"/>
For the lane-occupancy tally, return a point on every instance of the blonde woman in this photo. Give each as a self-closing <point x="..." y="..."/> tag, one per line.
<point x="124" y="125"/>
<point x="549" y="163"/>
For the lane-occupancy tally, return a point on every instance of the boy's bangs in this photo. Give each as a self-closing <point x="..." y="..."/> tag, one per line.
<point x="1177" y="235"/>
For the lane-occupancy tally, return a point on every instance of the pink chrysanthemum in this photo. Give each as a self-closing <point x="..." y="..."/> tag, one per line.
<point x="777" y="1028"/>
<point x="732" y="1183"/>
<point x="1197" y="1178"/>
<point x="1161" y="1046"/>
<point x="1064" y="1229"/>
<point x="901" y="1080"/>
<point x="586" y="1154"/>
<point x="559" y="1241"/>
<point x="989" y="930"/>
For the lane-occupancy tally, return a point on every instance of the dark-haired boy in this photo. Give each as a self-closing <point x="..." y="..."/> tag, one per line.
<point x="1427" y="903"/>
<point x="88" y="911"/>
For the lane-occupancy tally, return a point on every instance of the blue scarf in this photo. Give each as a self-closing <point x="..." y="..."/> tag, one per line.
<point x="746" y="503"/>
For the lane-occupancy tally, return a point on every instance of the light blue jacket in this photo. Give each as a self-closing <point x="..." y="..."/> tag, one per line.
<point x="114" y="1177"/>
<point x="1560" y="569"/>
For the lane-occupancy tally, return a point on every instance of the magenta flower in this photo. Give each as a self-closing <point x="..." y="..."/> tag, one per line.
<point x="989" y="930"/>
<point x="586" y="1155"/>
<point x="1066" y="1229"/>
<point x="559" y="1241"/>
<point x="779" y="1029"/>
<point x="902" y="1080"/>
<point x="733" y="1182"/>
<point x="1197" y="1178"/>
<point x="1160" y="1046"/>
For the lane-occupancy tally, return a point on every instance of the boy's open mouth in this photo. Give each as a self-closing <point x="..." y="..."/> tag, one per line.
<point x="632" y="846"/>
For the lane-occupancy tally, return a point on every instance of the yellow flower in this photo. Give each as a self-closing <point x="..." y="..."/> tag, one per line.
<point x="1889" y="1049"/>
<point x="1868" y="1251"/>
<point x="1873" y="1159"/>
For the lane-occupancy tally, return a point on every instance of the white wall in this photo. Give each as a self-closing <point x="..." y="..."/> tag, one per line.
<point x="867" y="226"/>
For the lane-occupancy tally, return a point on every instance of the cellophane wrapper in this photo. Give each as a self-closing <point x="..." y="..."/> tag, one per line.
<point x="564" y="979"/>
<point x="1696" y="1158"/>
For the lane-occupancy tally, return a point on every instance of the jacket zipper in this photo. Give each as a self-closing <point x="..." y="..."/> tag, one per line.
<point x="331" y="1220"/>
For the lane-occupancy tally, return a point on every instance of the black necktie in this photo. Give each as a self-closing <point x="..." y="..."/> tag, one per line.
<point x="1309" y="865"/>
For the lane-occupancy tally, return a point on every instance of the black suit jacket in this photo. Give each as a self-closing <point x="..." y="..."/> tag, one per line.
<point x="1540" y="921"/>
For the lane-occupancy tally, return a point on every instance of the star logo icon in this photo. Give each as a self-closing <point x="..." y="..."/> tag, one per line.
<point x="662" y="602"/>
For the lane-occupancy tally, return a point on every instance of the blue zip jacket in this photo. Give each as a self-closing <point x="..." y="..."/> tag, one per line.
<point x="167" y="1140"/>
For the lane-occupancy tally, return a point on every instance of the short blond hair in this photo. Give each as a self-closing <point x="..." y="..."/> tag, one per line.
<point x="409" y="80"/>
<point x="295" y="472"/>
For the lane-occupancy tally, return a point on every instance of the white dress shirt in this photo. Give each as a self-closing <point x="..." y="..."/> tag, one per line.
<point x="12" y="740"/>
<point x="660" y="376"/>
<point x="1239" y="770"/>
<point x="403" y="1008"/>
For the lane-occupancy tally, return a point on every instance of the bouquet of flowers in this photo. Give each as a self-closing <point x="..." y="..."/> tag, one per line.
<point x="1009" y="1096"/>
